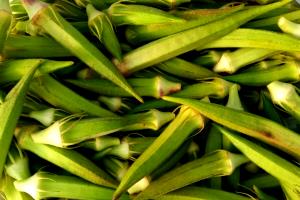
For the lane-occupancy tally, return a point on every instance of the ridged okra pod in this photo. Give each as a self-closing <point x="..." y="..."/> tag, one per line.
<point x="43" y="15"/>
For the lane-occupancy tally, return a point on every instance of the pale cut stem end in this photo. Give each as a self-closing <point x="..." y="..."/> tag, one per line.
<point x="280" y="91"/>
<point x="139" y="186"/>
<point x="224" y="65"/>
<point x="51" y="135"/>
<point x="289" y="27"/>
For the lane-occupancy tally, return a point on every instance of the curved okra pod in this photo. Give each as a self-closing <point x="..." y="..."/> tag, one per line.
<point x="20" y="46"/>
<point x="43" y="185"/>
<point x="13" y="70"/>
<point x="129" y="14"/>
<point x="68" y="159"/>
<point x="182" y="42"/>
<point x="216" y="88"/>
<point x="215" y="164"/>
<point x="275" y="165"/>
<point x="154" y="87"/>
<point x="185" y="69"/>
<point x="250" y="124"/>
<point x="59" y="95"/>
<point x="43" y="15"/>
<point x="230" y="62"/>
<point x="10" y="111"/>
<point x="185" y="123"/>
<point x="64" y="133"/>
<point x="140" y="34"/>
<point x="286" y="72"/>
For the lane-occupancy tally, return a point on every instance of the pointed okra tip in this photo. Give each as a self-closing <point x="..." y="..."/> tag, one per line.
<point x="32" y="7"/>
<point x="92" y="11"/>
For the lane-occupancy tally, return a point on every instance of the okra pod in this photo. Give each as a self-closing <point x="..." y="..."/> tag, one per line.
<point x="68" y="159"/>
<point x="218" y="163"/>
<point x="185" y="123"/>
<point x="63" y="32"/>
<point x="182" y="42"/>
<point x="247" y="123"/>
<point x="286" y="72"/>
<point x="43" y="185"/>
<point x="10" y="111"/>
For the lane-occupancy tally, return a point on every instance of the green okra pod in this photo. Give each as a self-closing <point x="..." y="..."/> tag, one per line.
<point x="286" y="72"/>
<point x="64" y="132"/>
<point x="102" y="28"/>
<point x="68" y="159"/>
<point x="275" y="165"/>
<point x="182" y="42"/>
<point x="270" y="23"/>
<point x="140" y="34"/>
<point x="19" y="46"/>
<point x="230" y="62"/>
<point x="154" y="87"/>
<point x="215" y="88"/>
<point x="250" y="124"/>
<point x="130" y="14"/>
<point x="10" y="111"/>
<point x="59" y="95"/>
<point x="63" y="32"/>
<point x="218" y="163"/>
<point x="256" y="38"/>
<point x="194" y="14"/>
<point x="43" y="185"/>
<point x="185" y="123"/>
<point x="185" y="69"/>
<point x="13" y="70"/>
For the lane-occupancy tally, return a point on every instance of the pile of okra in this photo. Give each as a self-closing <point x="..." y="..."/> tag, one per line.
<point x="150" y="99"/>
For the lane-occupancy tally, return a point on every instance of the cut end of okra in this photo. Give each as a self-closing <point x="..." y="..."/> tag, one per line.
<point x="139" y="186"/>
<point x="51" y="135"/>
<point x="281" y="92"/>
<point x="289" y="27"/>
<point x="224" y="64"/>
